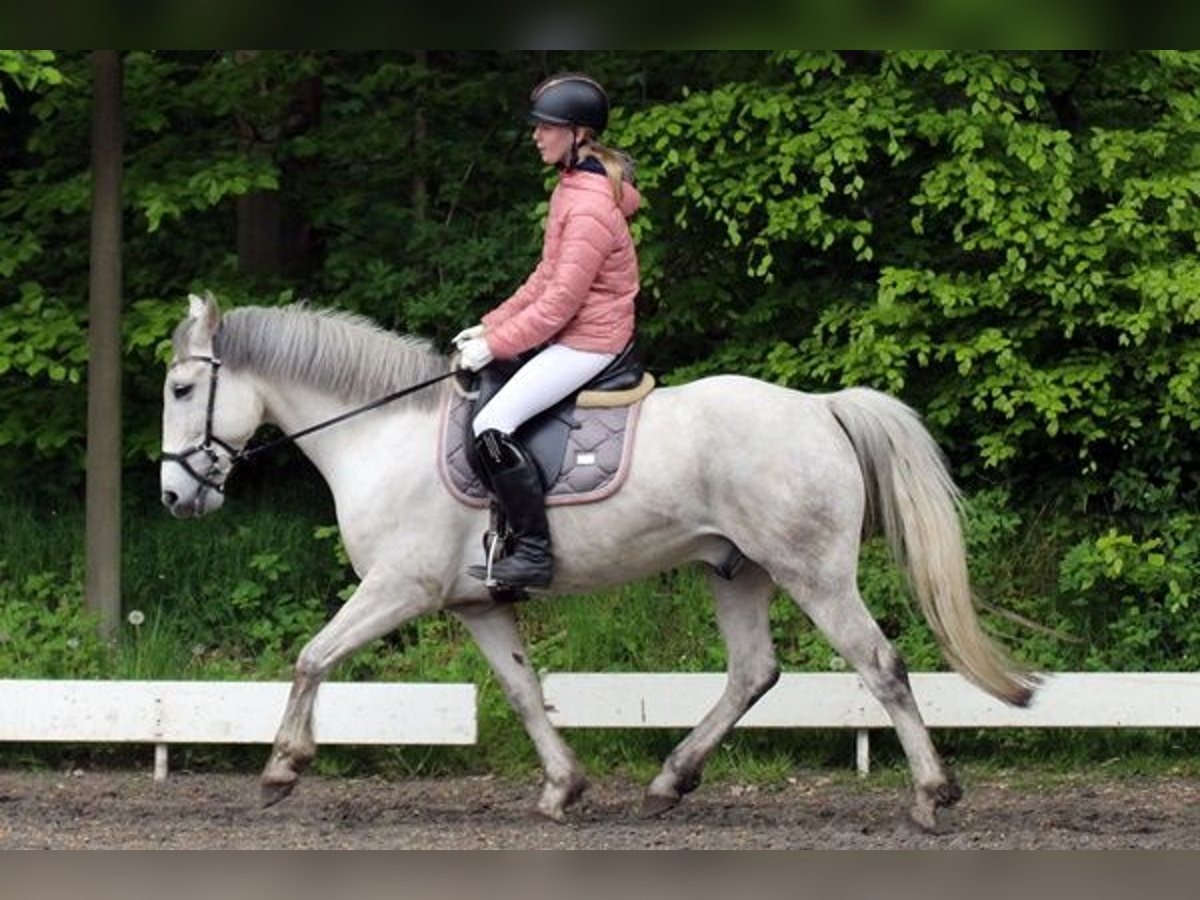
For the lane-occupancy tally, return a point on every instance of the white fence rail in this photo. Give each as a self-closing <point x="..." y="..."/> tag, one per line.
<point x="1066" y="700"/>
<point x="185" y="712"/>
<point x="240" y="712"/>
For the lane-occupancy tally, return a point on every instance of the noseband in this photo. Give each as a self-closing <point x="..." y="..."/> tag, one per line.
<point x="211" y="443"/>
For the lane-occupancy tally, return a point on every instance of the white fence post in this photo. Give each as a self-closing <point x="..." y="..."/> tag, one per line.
<point x="862" y="752"/>
<point x="160" y="762"/>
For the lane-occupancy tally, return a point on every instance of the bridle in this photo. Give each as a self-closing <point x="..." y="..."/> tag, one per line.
<point x="212" y="443"/>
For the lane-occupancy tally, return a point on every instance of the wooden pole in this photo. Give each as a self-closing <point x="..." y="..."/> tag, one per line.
<point x="420" y="187"/>
<point x="102" y="588"/>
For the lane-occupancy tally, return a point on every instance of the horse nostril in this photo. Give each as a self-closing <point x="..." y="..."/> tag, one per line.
<point x="169" y="499"/>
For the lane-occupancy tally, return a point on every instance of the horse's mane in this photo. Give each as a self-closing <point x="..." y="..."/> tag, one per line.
<point x="330" y="350"/>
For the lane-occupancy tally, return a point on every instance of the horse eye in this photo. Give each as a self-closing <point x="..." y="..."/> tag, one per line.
<point x="181" y="391"/>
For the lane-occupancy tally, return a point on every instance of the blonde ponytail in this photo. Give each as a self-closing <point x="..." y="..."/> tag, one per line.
<point x="618" y="165"/>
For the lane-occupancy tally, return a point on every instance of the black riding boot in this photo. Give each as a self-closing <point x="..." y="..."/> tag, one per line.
<point x="517" y="486"/>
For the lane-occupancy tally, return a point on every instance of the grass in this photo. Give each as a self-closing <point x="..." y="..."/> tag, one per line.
<point x="746" y="758"/>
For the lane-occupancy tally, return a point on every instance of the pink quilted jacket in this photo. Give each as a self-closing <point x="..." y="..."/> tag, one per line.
<point x="582" y="292"/>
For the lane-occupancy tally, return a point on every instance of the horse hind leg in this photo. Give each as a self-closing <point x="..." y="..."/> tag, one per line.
<point x="495" y="631"/>
<point x="742" y="607"/>
<point x="843" y="618"/>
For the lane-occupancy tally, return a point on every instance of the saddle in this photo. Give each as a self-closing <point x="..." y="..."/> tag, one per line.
<point x="580" y="444"/>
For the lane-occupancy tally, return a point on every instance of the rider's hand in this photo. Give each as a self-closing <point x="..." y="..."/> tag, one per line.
<point x="467" y="334"/>
<point x="474" y="354"/>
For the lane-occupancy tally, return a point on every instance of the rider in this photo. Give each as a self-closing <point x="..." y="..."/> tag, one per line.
<point x="576" y="308"/>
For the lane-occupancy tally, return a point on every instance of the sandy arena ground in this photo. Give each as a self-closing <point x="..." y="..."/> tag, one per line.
<point x="83" y="809"/>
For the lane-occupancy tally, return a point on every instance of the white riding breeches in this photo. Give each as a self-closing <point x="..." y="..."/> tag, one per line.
<point x="539" y="384"/>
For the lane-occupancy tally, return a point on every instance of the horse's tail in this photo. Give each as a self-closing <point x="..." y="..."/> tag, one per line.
<point x="912" y="498"/>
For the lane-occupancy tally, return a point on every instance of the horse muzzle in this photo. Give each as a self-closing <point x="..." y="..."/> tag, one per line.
<point x="188" y="492"/>
<point x="193" y="504"/>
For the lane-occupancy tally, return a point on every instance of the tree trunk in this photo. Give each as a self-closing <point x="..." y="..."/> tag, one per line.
<point x="260" y="233"/>
<point x="259" y="213"/>
<point x="420" y="188"/>
<point x="272" y="237"/>
<point x="103" y="501"/>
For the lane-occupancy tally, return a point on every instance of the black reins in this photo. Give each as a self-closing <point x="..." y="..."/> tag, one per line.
<point x="234" y="456"/>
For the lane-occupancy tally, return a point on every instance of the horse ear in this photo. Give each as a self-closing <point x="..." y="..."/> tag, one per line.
<point x="205" y="311"/>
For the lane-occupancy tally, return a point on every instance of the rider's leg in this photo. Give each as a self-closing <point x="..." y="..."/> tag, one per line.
<point x="517" y="487"/>
<point x="539" y="384"/>
<point x="515" y="481"/>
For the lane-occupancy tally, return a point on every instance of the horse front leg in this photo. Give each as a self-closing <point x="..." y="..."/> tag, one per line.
<point x="494" y="628"/>
<point x="379" y="605"/>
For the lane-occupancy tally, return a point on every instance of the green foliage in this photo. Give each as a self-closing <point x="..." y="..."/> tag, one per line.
<point x="44" y="630"/>
<point x="1004" y="239"/>
<point x="273" y="618"/>
<point x="28" y="70"/>
<point x="626" y="629"/>
<point x="43" y="355"/>
<point x="1139" y="592"/>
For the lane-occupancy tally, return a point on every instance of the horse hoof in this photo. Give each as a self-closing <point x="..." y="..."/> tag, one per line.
<point x="556" y="799"/>
<point x="931" y="810"/>
<point x="935" y="822"/>
<point x="655" y="805"/>
<point x="555" y="814"/>
<point x="271" y="792"/>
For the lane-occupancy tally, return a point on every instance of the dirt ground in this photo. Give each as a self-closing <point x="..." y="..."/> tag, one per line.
<point x="86" y="809"/>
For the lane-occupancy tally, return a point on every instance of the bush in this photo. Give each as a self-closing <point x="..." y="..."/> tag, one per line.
<point x="1133" y="593"/>
<point x="45" y="631"/>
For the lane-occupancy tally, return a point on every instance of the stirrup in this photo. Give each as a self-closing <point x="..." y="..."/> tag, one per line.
<point x="494" y="540"/>
<point x="492" y="543"/>
<point x="503" y="591"/>
<point x="499" y="588"/>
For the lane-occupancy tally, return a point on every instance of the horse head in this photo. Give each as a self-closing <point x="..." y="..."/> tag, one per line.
<point x="203" y="428"/>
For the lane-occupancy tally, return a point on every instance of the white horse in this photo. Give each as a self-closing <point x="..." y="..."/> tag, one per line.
<point x="787" y="478"/>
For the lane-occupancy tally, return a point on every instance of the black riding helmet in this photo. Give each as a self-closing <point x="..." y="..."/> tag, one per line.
<point x="570" y="98"/>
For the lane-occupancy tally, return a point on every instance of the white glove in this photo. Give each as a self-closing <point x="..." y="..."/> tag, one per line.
<point x="467" y="334"/>
<point x="474" y="354"/>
